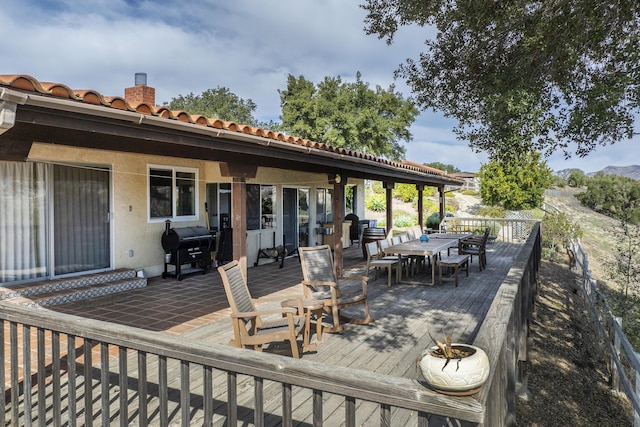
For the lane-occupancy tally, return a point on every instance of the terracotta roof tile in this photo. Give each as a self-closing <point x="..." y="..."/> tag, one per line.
<point x="58" y="90"/>
<point x="119" y="103"/>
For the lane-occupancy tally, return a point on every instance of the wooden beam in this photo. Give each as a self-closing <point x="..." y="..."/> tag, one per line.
<point x="13" y="150"/>
<point x="238" y="170"/>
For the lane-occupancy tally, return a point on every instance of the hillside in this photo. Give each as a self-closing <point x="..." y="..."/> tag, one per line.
<point x="567" y="374"/>
<point x="632" y="171"/>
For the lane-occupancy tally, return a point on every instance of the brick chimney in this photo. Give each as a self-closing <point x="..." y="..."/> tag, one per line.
<point x="140" y="93"/>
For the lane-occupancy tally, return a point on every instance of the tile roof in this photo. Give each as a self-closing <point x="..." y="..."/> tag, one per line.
<point x="58" y="90"/>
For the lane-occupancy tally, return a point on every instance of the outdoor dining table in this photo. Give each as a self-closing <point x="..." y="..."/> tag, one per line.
<point x="457" y="236"/>
<point x="431" y="248"/>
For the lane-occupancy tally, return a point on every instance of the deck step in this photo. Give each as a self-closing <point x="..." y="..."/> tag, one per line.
<point x="62" y="291"/>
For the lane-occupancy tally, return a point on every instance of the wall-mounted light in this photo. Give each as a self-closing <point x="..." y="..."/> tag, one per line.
<point x="337" y="179"/>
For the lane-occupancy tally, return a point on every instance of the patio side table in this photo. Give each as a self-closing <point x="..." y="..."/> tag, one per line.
<point x="309" y="306"/>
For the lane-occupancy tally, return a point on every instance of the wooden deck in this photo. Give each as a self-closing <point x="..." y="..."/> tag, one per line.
<point x="405" y="316"/>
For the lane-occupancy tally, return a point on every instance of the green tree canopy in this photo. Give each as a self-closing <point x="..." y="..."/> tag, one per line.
<point x="219" y="103"/>
<point x="515" y="182"/>
<point x="577" y="178"/>
<point x="613" y="195"/>
<point x="522" y="75"/>
<point x="349" y="115"/>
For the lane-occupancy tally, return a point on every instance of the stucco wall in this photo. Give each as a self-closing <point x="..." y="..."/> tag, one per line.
<point x="136" y="241"/>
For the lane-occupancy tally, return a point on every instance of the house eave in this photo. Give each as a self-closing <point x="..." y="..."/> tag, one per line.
<point x="62" y="121"/>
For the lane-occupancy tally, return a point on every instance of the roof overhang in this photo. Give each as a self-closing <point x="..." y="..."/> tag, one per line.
<point x="62" y="121"/>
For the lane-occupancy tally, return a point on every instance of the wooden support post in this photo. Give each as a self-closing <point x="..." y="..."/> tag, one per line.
<point x="239" y="221"/>
<point x="420" y="189"/>
<point x="389" y="187"/>
<point x="443" y="202"/>
<point x="239" y="173"/>
<point x="338" y="218"/>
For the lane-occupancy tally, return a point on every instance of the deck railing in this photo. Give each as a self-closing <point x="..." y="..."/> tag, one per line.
<point x="624" y="361"/>
<point x="107" y="374"/>
<point x="501" y="229"/>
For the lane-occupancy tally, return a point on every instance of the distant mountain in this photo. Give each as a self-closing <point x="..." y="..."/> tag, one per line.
<point x="632" y="172"/>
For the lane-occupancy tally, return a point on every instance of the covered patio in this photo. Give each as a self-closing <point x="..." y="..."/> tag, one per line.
<point x="344" y="378"/>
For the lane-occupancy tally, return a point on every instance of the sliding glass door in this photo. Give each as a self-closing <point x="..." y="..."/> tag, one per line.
<point x="81" y="223"/>
<point x="54" y="220"/>
<point x="295" y="210"/>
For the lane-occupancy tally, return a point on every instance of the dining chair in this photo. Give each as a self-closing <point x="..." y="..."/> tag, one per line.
<point x="404" y="259"/>
<point x="376" y="261"/>
<point x="476" y="245"/>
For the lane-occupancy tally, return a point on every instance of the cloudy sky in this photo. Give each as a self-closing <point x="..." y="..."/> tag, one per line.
<point x="247" y="46"/>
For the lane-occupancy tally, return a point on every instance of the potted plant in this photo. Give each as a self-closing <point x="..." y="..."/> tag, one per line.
<point x="454" y="368"/>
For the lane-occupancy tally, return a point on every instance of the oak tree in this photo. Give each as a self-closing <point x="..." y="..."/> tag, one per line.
<point x="349" y="115"/>
<point x="523" y="75"/>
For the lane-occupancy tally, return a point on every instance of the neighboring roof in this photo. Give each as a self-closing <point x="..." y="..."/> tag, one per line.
<point x="28" y="84"/>
<point x="463" y="175"/>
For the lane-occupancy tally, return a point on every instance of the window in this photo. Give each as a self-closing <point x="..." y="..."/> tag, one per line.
<point x="219" y="206"/>
<point x="172" y="193"/>
<point x="324" y="205"/>
<point x="261" y="202"/>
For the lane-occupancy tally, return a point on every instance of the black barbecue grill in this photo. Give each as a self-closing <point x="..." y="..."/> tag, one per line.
<point x="189" y="246"/>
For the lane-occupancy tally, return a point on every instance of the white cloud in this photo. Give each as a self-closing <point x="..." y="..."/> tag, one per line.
<point x="248" y="46"/>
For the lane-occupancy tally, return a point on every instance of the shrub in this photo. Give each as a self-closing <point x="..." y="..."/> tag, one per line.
<point x="406" y="192"/>
<point x="551" y="255"/>
<point x="491" y="212"/>
<point x="558" y="230"/>
<point x="404" y="221"/>
<point x="433" y="220"/>
<point x="377" y="203"/>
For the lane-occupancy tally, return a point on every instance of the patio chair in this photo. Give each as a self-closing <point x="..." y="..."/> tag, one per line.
<point x="375" y="261"/>
<point x="406" y="261"/>
<point x="250" y="328"/>
<point x="475" y="245"/>
<point x="321" y="282"/>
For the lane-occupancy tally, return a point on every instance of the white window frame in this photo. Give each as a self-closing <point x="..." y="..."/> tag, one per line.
<point x="174" y="171"/>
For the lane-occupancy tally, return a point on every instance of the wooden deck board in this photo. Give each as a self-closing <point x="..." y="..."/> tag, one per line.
<point x="406" y="314"/>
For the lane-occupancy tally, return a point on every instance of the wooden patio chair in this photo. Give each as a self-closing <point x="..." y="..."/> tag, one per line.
<point x="321" y="282"/>
<point x="475" y="245"/>
<point x="375" y="261"/>
<point x="250" y="328"/>
<point x="406" y="261"/>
